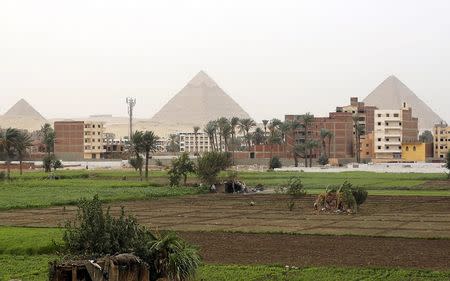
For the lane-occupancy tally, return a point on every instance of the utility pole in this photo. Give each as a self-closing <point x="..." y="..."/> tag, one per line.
<point x="131" y="102"/>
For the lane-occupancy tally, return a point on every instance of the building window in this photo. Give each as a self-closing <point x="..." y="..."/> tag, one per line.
<point x="379" y="147"/>
<point x="379" y="123"/>
<point x="387" y="115"/>
<point x="414" y="148"/>
<point x="395" y="114"/>
<point x="379" y="139"/>
<point x="379" y="115"/>
<point x="407" y="148"/>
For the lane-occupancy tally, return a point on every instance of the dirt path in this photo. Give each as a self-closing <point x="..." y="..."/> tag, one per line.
<point x="310" y="251"/>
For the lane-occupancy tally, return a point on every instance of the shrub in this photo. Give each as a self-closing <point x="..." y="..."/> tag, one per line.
<point x="95" y="233"/>
<point x="136" y="163"/>
<point x="50" y="162"/>
<point x="275" y="163"/>
<point x="2" y="175"/>
<point x="158" y="162"/>
<point x="181" y="167"/>
<point x="210" y="164"/>
<point x="296" y="190"/>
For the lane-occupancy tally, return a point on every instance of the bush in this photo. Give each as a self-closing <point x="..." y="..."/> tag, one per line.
<point x="2" y="175"/>
<point x="158" y="162"/>
<point x="210" y="164"/>
<point x="136" y="163"/>
<point x="95" y="233"/>
<point x="360" y="195"/>
<point x="296" y="190"/>
<point x="50" y="162"/>
<point x="275" y="163"/>
<point x="181" y="167"/>
<point x="448" y="163"/>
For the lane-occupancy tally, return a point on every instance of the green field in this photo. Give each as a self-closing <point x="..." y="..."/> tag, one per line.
<point x="34" y="268"/>
<point x="33" y="189"/>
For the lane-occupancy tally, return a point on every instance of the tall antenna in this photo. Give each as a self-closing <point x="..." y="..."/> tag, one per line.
<point x="131" y="102"/>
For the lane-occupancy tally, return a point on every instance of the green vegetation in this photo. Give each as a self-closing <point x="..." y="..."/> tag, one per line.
<point x="210" y="164"/>
<point x="181" y="167"/>
<point x="42" y="193"/>
<point x="95" y="233"/>
<point x="29" y="240"/>
<point x="34" y="189"/>
<point x="275" y="163"/>
<point x="273" y="273"/>
<point x="35" y="268"/>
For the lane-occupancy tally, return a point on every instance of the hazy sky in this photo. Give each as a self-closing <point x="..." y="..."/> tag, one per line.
<point x="77" y="58"/>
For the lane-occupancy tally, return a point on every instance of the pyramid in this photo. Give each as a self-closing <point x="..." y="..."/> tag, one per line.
<point x="23" y="109"/>
<point x="392" y="93"/>
<point x="199" y="102"/>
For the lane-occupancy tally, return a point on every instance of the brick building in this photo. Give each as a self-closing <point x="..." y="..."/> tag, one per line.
<point x="339" y="123"/>
<point x="79" y="140"/>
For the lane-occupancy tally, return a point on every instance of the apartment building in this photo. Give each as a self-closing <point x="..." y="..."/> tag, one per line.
<point x="364" y="112"/>
<point x="188" y="142"/>
<point x="78" y="140"/>
<point x="441" y="140"/>
<point x="339" y="123"/>
<point x="391" y="129"/>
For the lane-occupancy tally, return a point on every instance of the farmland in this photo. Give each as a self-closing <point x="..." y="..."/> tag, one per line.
<point x="402" y="232"/>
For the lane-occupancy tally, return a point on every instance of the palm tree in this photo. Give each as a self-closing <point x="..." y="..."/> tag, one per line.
<point x="8" y="143"/>
<point x="265" y="122"/>
<point x="226" y="133"/>
<point x="136" y="148"/>
<point x="223" y="124"/>
<point x="299" y="151"/>
<point x="245" y="125"/>
<point x="234" y="122"/>
<point x="210" y="130"/>
<point x="310" y="146"/>
<point x="259" y="136"/>
<point x="48" y="137"/>
<point x="358" y="131"/>
<point x="148" y="144"/>
<point x="173" y="143"/>
<point x="307" y="121"/>
<point x="174" y="259"/>
<point x="196" y="129"/>
<point x="330" y="137"/>
<point x="24" y="142"/>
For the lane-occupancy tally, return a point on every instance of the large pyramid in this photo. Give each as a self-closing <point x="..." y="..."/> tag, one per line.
<point x="392" y="93"/>
<point x="200" y="101"/>
<point x="22" y="116"/>
<point x="23" y="109"/>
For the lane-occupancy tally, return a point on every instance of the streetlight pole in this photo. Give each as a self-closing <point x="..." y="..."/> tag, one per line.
<point x="131" y="102"/>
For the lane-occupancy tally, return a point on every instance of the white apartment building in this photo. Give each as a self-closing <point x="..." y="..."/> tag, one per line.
<point x="188" y="144"/>
<point x="94" y="140"/>
<point x="388" y="134"/>
<point x="441" y="140"/>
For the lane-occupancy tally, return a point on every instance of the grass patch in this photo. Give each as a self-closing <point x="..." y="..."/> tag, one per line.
<point x="29" y="240"/>
<point x="35" y="268"/>
<point x="44" y="193"/>
<point x="257" y="273"/>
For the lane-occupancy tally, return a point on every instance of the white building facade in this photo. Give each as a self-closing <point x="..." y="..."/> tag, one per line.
<point x="388" y="134"/>
<point x="190" y="144"/>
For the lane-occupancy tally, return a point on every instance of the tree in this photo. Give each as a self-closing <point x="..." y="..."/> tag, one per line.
<point x="448" y="163"/>
<point x="136" y="148"/>
<point x="225" y="129"/>
<point x="300" y="150"/>
<point x="245" y="125"/>
<point x="50" y="162"/>
<point x="24" y="142"/>
<point x="323" y="135"/>
<point x="295" y="190"/>
<point x="307" y="121"/>
<point x="210" y="130"/>
<point x="8" y="143"/>
<point x="181" y="167"/>
<point x="148" y="145"/>
<point x="426" y="137"/>
<point x="275" y="163"/>
<point x="48" y="138"/>
<point x="196" y="129"/>
<point x="234" y="122"/>
<point x="359" y="131"/>
<point x="173" y="143"/>
<point x="259" y="136"/>
<point x="210" y="164"/>
<point x="310" y="146"/>
<point x="265" y="122"/>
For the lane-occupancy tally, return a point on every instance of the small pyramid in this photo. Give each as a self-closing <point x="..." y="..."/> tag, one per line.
<point x="23" y="109"/>
<point x="392" y="93"/>
<point x="199" y="102"/>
